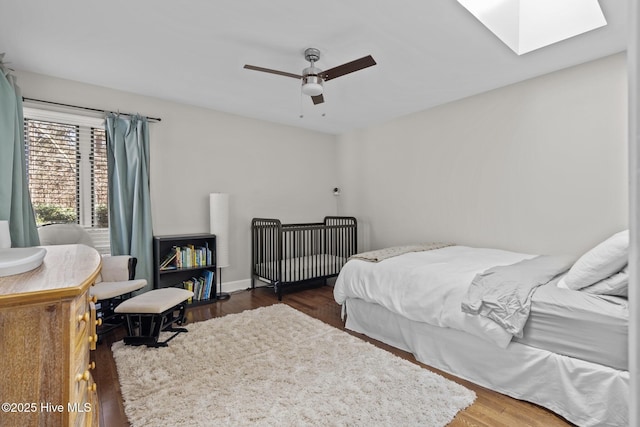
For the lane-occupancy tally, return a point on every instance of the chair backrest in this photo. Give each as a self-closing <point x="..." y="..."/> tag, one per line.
<point x="64" y="234"/>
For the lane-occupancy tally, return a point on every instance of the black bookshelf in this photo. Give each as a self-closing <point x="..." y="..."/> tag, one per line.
<point x="197" y="254"/>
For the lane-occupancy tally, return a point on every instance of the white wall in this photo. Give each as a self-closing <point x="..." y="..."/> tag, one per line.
<point x="269" y="170"/>
<point x="538" y="167"/>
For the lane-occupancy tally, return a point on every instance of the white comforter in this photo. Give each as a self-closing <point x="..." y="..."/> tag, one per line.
<point x="427" y="286"/>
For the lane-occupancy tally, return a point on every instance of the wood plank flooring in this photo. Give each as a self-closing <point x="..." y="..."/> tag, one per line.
<point x="490" y="409"/>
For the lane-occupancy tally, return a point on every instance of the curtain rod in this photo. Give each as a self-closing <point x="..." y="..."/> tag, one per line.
<point x="151" y="119"/>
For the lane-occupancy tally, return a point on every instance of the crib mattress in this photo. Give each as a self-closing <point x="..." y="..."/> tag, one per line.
<point x="581" y="325"/>
<point x="303" y="268"/>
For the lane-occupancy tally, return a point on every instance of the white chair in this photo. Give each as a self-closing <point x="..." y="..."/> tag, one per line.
<point x="116" y="281"/>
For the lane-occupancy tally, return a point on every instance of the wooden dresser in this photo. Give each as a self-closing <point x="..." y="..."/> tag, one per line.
<point x="47" y="328"/>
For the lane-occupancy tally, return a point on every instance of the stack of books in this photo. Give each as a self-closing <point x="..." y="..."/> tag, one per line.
<point x="187" y="257"/>
<point x="202" y="287"/>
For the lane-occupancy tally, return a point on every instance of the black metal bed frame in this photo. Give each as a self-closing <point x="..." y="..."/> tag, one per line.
<point x="283" y="255"/>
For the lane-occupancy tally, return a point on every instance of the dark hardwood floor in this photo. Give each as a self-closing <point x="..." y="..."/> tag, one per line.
<point x="490" y="409"/>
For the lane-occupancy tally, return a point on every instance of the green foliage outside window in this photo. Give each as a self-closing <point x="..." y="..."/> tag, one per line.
<point x="102" y="216"/>
<point x="46" y="214"/>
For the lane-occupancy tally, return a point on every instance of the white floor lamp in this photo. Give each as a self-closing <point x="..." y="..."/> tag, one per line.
<point x="219" y="224"/>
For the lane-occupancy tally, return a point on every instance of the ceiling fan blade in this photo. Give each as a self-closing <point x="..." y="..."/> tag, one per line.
<point x="319" y="99"/>
<point x="268" y="70"/>
<point x="347" y="68"/>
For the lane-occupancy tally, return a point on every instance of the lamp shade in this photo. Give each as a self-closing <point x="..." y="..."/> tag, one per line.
<point x="219" y="225"/>
<point x="311" y="83"/>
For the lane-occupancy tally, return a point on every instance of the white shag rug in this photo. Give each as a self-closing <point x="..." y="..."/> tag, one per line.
<point x="276" y="366"/>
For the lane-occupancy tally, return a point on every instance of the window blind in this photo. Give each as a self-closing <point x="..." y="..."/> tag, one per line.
<point x="99" y="214"/>
<point x="53" y="161"/>
<point x="67" y="172"/>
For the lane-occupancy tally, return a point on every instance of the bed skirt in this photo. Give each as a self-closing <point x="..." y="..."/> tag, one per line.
<point x="584" y="393"/>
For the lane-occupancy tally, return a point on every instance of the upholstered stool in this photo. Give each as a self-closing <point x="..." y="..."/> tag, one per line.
<point x="153" y="312"/>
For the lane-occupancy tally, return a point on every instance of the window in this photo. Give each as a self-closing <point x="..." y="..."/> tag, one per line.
<point x="66" y="160"/>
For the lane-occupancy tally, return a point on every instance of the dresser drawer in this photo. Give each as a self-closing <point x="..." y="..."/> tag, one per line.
<point x="81" y="385"/>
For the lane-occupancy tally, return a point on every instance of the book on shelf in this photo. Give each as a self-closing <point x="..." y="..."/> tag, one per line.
<point x="191" y="256"/>
<point x="194" y="286"/>
<point x="196" y="289"/>
<point x="199" y="286"/>
<point x="188" y="285"/>
<point x="208" y="280"/>
<point x="208" y="254"/>
<point x="166" y="262"/>
<point x="178" y="250"/>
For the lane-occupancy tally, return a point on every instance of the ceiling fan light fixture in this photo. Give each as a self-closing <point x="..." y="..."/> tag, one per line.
<point x="312" y="85"/>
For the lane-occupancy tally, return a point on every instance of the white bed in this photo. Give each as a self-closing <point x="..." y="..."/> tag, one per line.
<point x="572" y="357"/>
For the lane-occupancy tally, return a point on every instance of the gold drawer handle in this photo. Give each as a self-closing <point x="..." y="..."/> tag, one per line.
<point x="83" y="377"/>
<point x="99" y="322"/>
<point x="92" y="387"/>
<point x="83" y="317"/>
<point x="93" y="325"/>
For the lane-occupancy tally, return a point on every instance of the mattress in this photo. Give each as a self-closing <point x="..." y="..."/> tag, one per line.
<point x="303" y="268"/>
<point x="577" y="324"/>
<point x="585" y="393"/>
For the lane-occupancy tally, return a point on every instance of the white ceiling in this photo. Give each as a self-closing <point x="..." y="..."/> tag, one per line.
<point x="428" y="52"/>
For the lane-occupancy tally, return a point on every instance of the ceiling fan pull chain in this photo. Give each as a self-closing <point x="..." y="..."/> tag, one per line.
<point x="301" y="114"/>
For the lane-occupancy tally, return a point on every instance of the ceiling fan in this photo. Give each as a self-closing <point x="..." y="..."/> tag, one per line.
<point x="313" y="78"/>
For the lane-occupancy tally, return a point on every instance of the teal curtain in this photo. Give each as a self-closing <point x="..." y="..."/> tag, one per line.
<point x="128" y="189"/>
<point x="15" y="201"/>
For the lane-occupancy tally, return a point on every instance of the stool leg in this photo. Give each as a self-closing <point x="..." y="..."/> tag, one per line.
<point x="148" y="327"/>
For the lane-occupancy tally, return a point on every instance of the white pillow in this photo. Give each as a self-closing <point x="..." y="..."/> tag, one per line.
<point x="617" y="284"/>
<point x="602" y="261"/>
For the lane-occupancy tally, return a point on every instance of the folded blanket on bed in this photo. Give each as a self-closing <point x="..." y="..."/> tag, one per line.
<point x="503" y="293"/>
<point x="382" y="254"/>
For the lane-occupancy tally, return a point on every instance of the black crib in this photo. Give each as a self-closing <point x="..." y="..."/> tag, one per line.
<point x="284" y="255"/>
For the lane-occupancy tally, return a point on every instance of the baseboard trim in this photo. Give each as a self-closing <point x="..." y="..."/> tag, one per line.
<point x="236" y="285"/>
<point x="244" y="284"/>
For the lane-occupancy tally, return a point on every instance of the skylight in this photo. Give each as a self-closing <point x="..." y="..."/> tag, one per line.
<point x="526" y="25"/>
